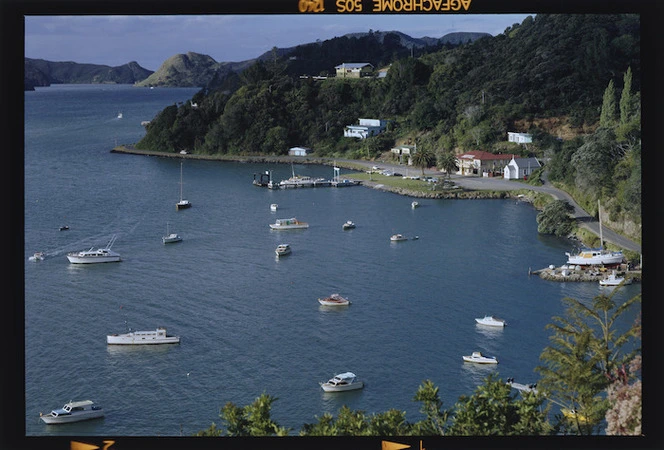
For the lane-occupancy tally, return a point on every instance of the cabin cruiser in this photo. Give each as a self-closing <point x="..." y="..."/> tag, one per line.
<point x="594" y="256"/>
<point x="479" y="358"/>
<point x="288" y="224"/>
<point x="614" y="280"/>
<point x="152" y="337"/>
<point x="73" y="412"/>
<point x="92" y="256"/>
<point x="346" y="381"/>
<point x="282" y="250"/>
<point x="491" y="321"/>
<point x="349" y="225"/>
<point x="398" y="237"/>
<point x="38" y="256"/>
<point x="334" y="300"/>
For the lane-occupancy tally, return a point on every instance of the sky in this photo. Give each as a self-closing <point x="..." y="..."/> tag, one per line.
<point x="152" y="39"/>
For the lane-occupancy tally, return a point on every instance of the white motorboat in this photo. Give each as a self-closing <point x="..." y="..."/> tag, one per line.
<point x="596" y="256"/>
<point x="38" y="256"/>
<point x="346" y="381"/>
<point x="120" y="115"/>
<point x="349" y="225"/>
<point x="73" y="412"/>
<point x="491" y="321"/>
<point x="414" y="204"/>
<point x="274" y="207"/>
<point x="282" y="250"/>
<point x="288" y="224"/>
<point x="93" y="256"/>
<point x="152" y="337"/>
<point x="614" y="280"/>
<point x="182" y="204"/>
<point x="170" y="238"/>
<point x="334" y="300"/>
<point x="398" y="237"/>
<point x="479" y="358"/>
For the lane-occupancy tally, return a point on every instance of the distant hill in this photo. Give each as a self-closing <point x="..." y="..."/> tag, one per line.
<point x="39" y="72"/>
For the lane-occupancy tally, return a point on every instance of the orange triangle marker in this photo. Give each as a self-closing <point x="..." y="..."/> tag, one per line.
<point x="387" y="445"/>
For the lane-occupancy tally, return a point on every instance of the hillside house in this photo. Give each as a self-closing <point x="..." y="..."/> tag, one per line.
<point x="299" y="151"/>
<point x="519" y="138"/>
<point x="354" y="70"/>
<point x="365" y="129"/>
<point x="520" y="168"/>
<point x="404" y="151"/>
<point x="478" y="162"/>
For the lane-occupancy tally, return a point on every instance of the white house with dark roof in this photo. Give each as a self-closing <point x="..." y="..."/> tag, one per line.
<point x="520" y="168"/>
<point x="354" y="70"/>
<point x="365" y="129"/>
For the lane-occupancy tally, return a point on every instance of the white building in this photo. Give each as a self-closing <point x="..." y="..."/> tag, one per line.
<point x="353" y="70"/>
<point x="406" y="151"/>
<point x="520" y="168"/>
<point x="366" y="128"/>
<point x="519" y="138"/>
<point x="299" y="151"/>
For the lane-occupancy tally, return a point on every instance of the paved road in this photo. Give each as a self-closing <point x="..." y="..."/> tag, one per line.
<point x="584" y="220"/>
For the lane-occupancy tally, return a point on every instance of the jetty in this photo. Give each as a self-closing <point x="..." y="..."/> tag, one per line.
<point x="570" y="272"/>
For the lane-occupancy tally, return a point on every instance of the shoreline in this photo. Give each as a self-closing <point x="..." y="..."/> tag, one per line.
<point x="359" y="166"/>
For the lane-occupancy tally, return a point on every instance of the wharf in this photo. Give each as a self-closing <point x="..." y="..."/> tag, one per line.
<point x="581" y="273"/>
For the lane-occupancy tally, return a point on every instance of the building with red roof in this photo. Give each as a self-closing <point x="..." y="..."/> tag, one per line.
<point x="478" y="162"/>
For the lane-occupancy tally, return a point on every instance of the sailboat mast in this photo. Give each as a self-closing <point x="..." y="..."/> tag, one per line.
<point x="599" y="215"/>
<point x="180" y="180"/>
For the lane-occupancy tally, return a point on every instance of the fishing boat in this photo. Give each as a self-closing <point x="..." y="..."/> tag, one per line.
<point x="596" y="256"/>
<point x="334" y="300"/>
<point x="349" y="225"/>
<point x="38" y="256"/>
<point x="282" y="250"/>
<point x="170" y="238"/>
<point x="479" y="358"/>
<point x="398" y="237"/>
<point x="182" y="204"/>
<point x="73" y="412"/>
<point x="152" y="337"/>
<point x="346" y="381"/>
<point x="614" y="280"/>
<point x="94" y="256"/>
<point x="491" y="321"/>
<point x="288" y="224"/>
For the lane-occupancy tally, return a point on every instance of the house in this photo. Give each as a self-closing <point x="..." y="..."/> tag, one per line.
<point x="365" y="129"/>
<point x="478" y="162"/>
<point x="299" y="151"/>
<point x="404" y="150"/>
<point x="519" y="138"/>
<point x="354" y="70"/>
<point x="520" y="168"/>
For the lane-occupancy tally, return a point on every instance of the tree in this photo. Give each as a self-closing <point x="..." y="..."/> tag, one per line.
<point x="493" y="410"/>
<point x="250" y="420"/>
<point x="607" y="117"/>
<point x="436" y="419"/>
<point x="554" y="218"/>
<point x="585" y="349"/>
<point x="447" y="161"/>
<point x="424" y="158"/>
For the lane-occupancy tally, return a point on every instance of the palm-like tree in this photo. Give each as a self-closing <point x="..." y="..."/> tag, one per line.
<point x="448" y="163"/>
<point x="424" y="158"/>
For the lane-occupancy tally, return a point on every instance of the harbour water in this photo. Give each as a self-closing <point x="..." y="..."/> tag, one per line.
<point x="250" y="322"/>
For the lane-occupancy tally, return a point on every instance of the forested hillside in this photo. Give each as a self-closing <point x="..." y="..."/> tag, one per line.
<point x="548" y="76"/>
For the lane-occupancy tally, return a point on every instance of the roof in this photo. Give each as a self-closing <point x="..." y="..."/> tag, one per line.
<point x="353" y="65"/>
<point x="345" y="375"/>
<point x="482" y="155"/>
<point x="525" y="162"/>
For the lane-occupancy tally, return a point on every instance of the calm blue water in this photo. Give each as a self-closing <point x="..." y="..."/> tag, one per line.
<point x="250" y="323"/>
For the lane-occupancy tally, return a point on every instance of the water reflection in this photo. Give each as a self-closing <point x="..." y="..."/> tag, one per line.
<point x="488" y="331"/>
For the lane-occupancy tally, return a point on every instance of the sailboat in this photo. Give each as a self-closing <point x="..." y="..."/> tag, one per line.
<point x="592" y="256"/>
<point x="170" y="237"/>
<point x="182" y="204"/>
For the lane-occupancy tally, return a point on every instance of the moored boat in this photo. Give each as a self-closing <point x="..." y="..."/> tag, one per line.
<point x="170" y="238"/>
<point x="274" y="207"/>
<point x="414" y="204"/>
<point x="346" y="381"/>
<point x="93" y="256"/>
<point x="491" y="321"/>
<point x="73" y="412"/>
<point x="349" y="225"/>
<point x="334" y="300"/>
<point x="614" y="280"/>
<point x="152" y="337"/>
<point x="596" y="256"/>
<point x="479" y="358"/>
<point x="182" y="204"/>
<point x="283" y="249"/>
<point x="398" y="237"/>
<point x="288" y="224"/>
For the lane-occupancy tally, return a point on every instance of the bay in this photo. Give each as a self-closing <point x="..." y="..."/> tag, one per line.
<point x="249" y="321"/>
